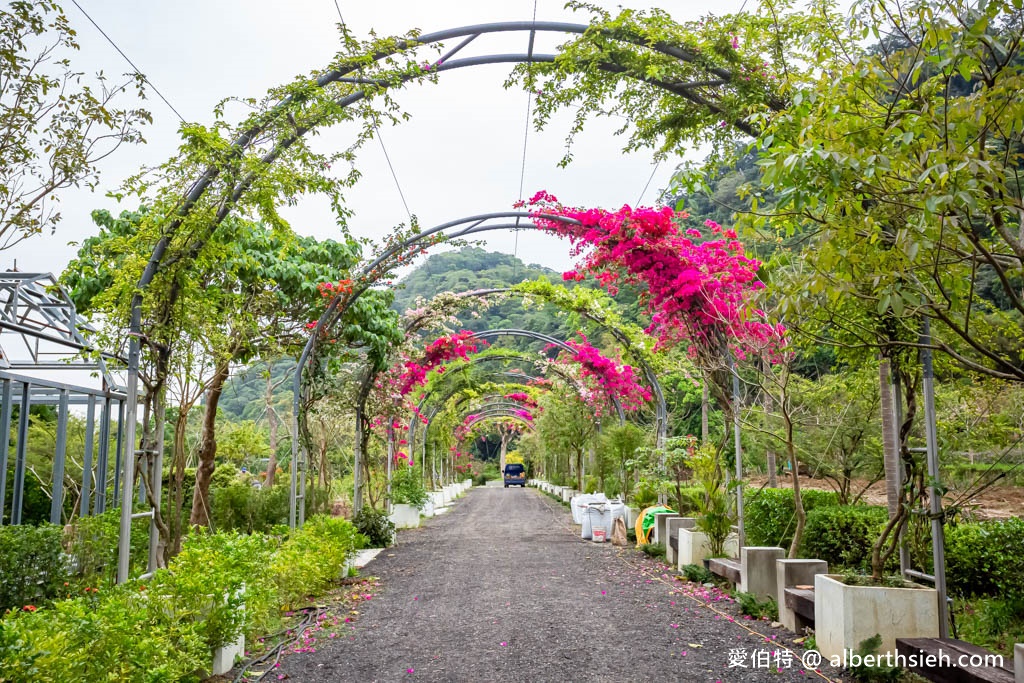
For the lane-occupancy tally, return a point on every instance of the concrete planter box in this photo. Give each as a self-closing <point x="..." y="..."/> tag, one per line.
<point x="844" y="616"/>
<point x="790" y="573"/>
<point x="759" y="575"/>
<point x="693" y="546"/>
<point x="672" y="527"/>
<point x="631" y="516"/>
<point x="405" y="516"/>
<point x="1018" y="663"/>
<point x="468" y="483"/>
<point x="659" y="532"/>
<point x="567" y="494"/>
<point x="436" y="498"/>
<point x="224" y="657"/>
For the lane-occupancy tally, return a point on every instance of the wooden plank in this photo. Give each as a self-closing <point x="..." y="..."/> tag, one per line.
<point x="728" y="569"/>
<point x="949" y="671"/>
<point x="801" y="601"/>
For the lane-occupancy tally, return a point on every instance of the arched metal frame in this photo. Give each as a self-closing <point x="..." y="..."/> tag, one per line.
<point x="344" y="74"/>
<point x="298" y="485"/>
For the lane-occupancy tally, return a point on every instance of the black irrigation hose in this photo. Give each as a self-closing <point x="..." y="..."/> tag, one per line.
<point x="310" y="617"/>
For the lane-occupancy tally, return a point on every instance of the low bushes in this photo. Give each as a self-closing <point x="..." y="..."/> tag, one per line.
<point x="164" y="630"/>
<point x="33" y="568"/>
<point x="375" y="526"/>
<point x="769" y="515"/>
<point x="843" y="535"/>
<point x="984" y="558"/>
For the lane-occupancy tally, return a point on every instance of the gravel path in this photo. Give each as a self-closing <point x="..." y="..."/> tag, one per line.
<point x="502" y="589"/>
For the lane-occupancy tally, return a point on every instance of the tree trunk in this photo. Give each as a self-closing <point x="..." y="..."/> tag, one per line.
<point x="704" y="407"/>
<point x="890" y="439"/>
<point x="208" y="446"/>
<point x="177" y="478"/>
<point x="268" y="481"/>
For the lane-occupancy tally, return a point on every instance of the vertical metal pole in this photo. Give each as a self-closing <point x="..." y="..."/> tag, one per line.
<point x="303" y="469"/>
<point x="129" y="415"/>
<point x="357" y="459"/>
<point x="100" y="500"/>
<point x="935" y="496"/>
<point x="5" y="442"/>
<point x="19" y="453"/>
<point x="293" y="465"/>
<point x="90" y="425"/>
<point x="739" y="451"/>
<point x="119" y="452"/>
<point x="59" y="456"/>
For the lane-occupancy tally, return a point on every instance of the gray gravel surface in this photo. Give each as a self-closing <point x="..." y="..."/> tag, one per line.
<point x="501" y="588"/>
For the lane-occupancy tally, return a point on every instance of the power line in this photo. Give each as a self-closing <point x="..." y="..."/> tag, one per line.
<point x="376" y="133"/>
<point x="526" y="135"/>
<point x="648" y="184"/>
<point x="121" y="52"/>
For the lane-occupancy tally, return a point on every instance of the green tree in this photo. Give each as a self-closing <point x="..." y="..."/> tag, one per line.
<point x="55" y="125"/>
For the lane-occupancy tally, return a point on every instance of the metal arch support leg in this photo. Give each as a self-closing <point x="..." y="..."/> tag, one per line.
<point x="90" y="425"/>
<point x="6" y="409"/>
<point x="17" y="501"/>
<point x="935" y="491"/>
<point x="128" y="458"/>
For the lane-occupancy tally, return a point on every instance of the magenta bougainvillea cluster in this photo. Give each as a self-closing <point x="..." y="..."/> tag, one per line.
<point x="522" y="397"/>
<point x="442" y="350"/>
<point x="612" y="377"/>
<point x="697" y="287"/>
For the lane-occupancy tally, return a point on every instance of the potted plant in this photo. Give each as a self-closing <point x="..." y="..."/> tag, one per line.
<point x="408" y="497"/>
<point x="714" y="518"/>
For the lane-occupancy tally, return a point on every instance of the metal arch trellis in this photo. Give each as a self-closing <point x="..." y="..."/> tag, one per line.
<point x="41" y="332"/>
<point x="250" y="136"/>
<point x="469" y="363"/>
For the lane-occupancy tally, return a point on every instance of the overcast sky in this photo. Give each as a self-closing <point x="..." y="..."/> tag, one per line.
<point x="460" y="154"/>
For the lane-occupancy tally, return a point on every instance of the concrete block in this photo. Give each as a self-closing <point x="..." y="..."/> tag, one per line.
<point x="693" y="546"/>
<point x="437" y="499"/>
<point x="844" y="616"/>
<point x="405" y="516"/>
<point x="224" y="657"/>
<point x="758" y="576"/>
<point x="631" y="516"/>
<point x="658" y="534"/>
<point x="1018" y="663"/>
<point x="567" y="494"/>
<point x="672" y="527"/>
<point x="789" y="573"/>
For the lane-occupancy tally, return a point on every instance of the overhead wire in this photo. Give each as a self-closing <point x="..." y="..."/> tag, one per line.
<point x="127" y="59"/>
<point x="380" y="138"/>
<point x="526" y="138"/>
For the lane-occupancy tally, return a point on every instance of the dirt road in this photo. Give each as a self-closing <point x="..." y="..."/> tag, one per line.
<point x="502" y="589"/>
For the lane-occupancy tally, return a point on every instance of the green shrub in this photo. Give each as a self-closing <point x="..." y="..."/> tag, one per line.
<point x="93" y="547"/>
<point x="407" y="487"/>
<point x="213" y="576"/>
<point x="123" y="634"/>
<point x="375" y="526"/>
<point x="843" y="535"/>
<point x="654" y="549"/>
<point x="769" y="515"/>
<point x="33" y="567"/>
<point x="984" y="558"/>
<point x="749" y="604"/>
<point x="992" y="623"/>
<point x="313" y="558"/>
<point x="645" y="494"/>
<point x="688" y="500"/>
<point x="240" y="506"/>
<point x="696" y="572"/>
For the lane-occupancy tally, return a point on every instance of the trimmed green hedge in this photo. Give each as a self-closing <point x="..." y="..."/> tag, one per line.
<point x="843" y="535"/>
<point x="164" y="629"/>
<point x="769" y="515"/>
<point x="985" y="558"/>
